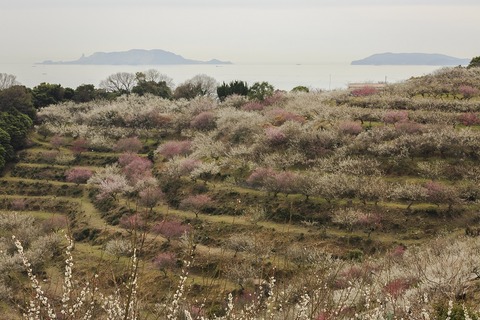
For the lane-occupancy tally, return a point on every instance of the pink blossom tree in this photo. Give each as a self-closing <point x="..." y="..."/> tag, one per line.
<point x="438" y="193"/>
<point x="364" y="91"/>
<point x="203" y="121"/>
<point x="284" y="182"/>
<point x="170" y="229"/>
<point x="150" y="196"/>
<point x="164" y="261"/>
<point x="260" y="176"/>
<point x="57" y="141"/>
<point x="132" y="222"/>
<point x="275" y="182"/>
<point x="469" y="119"/>
<point x="187" y="165"/>
<point x="275" y="136"/>
<point x="138" y="169"/>
<point x="79" y="146"/>
<point x="196" y="203"/>
<point x="409" y="127"/>
<point x="171" y="149"/>
<point x="78" y="175"/>
<point x="50" y="156"/>
<point x="132" y="144"/>
<point x="253" y="106"/>
<point x="394" y="116"/>
<point x="468" y="92"/>
<point x="350" y="127"/>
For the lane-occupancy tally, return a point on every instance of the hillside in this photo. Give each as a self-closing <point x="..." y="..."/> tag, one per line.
<point x="135" y="57"/>
<point x="298" y="206"/>
<point x="411" y="59"/>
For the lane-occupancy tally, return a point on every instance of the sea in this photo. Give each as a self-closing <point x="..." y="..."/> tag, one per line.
<point x="282" y="77"/>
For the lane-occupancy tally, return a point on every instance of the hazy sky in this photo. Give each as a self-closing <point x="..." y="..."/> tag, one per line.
<point x="242" y="31"/>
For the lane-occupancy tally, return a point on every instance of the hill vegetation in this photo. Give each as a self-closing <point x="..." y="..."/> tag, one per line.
<point x="237" y="202"/>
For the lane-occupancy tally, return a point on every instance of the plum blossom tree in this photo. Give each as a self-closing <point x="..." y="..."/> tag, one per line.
<point x="133" y="222"/>
<point x="307" y="185"/>
<point x="171" y="229"/>
<point x="196" y="203"/>
<point x="394" y="116"/>
<point x="275" y="136"/>
<point x="259" y="176"/>
<point x="110" y="183"/>
<point x="409" y="192"/>
<point x="284" y="182"/>
<point x="57" y="141"/>
<point x="279" y="116"/>
<point x="468" y="92"/>
<point x="347" y="217"/>
<point x="78" y="175"/>
<point x="132" y="144"/>
<point x="438" y="193"/>
<point x="205" y="171"/>
<point x="372" y="188"/>
<point x="469" y="119"/>
<point x="203" y="121"/>
<point x="274" y="182"/>
<point x="137" y="169"/>
<point x="164" y="261"/>
<point x="150" y="196"/>
<point x="171" y="149"/>
<point x="79" y="146"/>
<point x="350" y="127"/>
<point x="364" y="91"/>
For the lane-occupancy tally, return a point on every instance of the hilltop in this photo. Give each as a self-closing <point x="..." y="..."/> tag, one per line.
<point x="427" y="59"/>
<point x="135" y="57"/>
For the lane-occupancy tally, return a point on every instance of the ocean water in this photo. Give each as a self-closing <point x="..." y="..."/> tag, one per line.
<point x="284" y="77"/>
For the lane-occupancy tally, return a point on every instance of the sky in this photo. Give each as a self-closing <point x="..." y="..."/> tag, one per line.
<point x="241" y="31"/>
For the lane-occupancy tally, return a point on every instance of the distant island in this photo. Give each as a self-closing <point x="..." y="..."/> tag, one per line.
<point x="427" y="59"/>
<point x="135" y="57"/>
